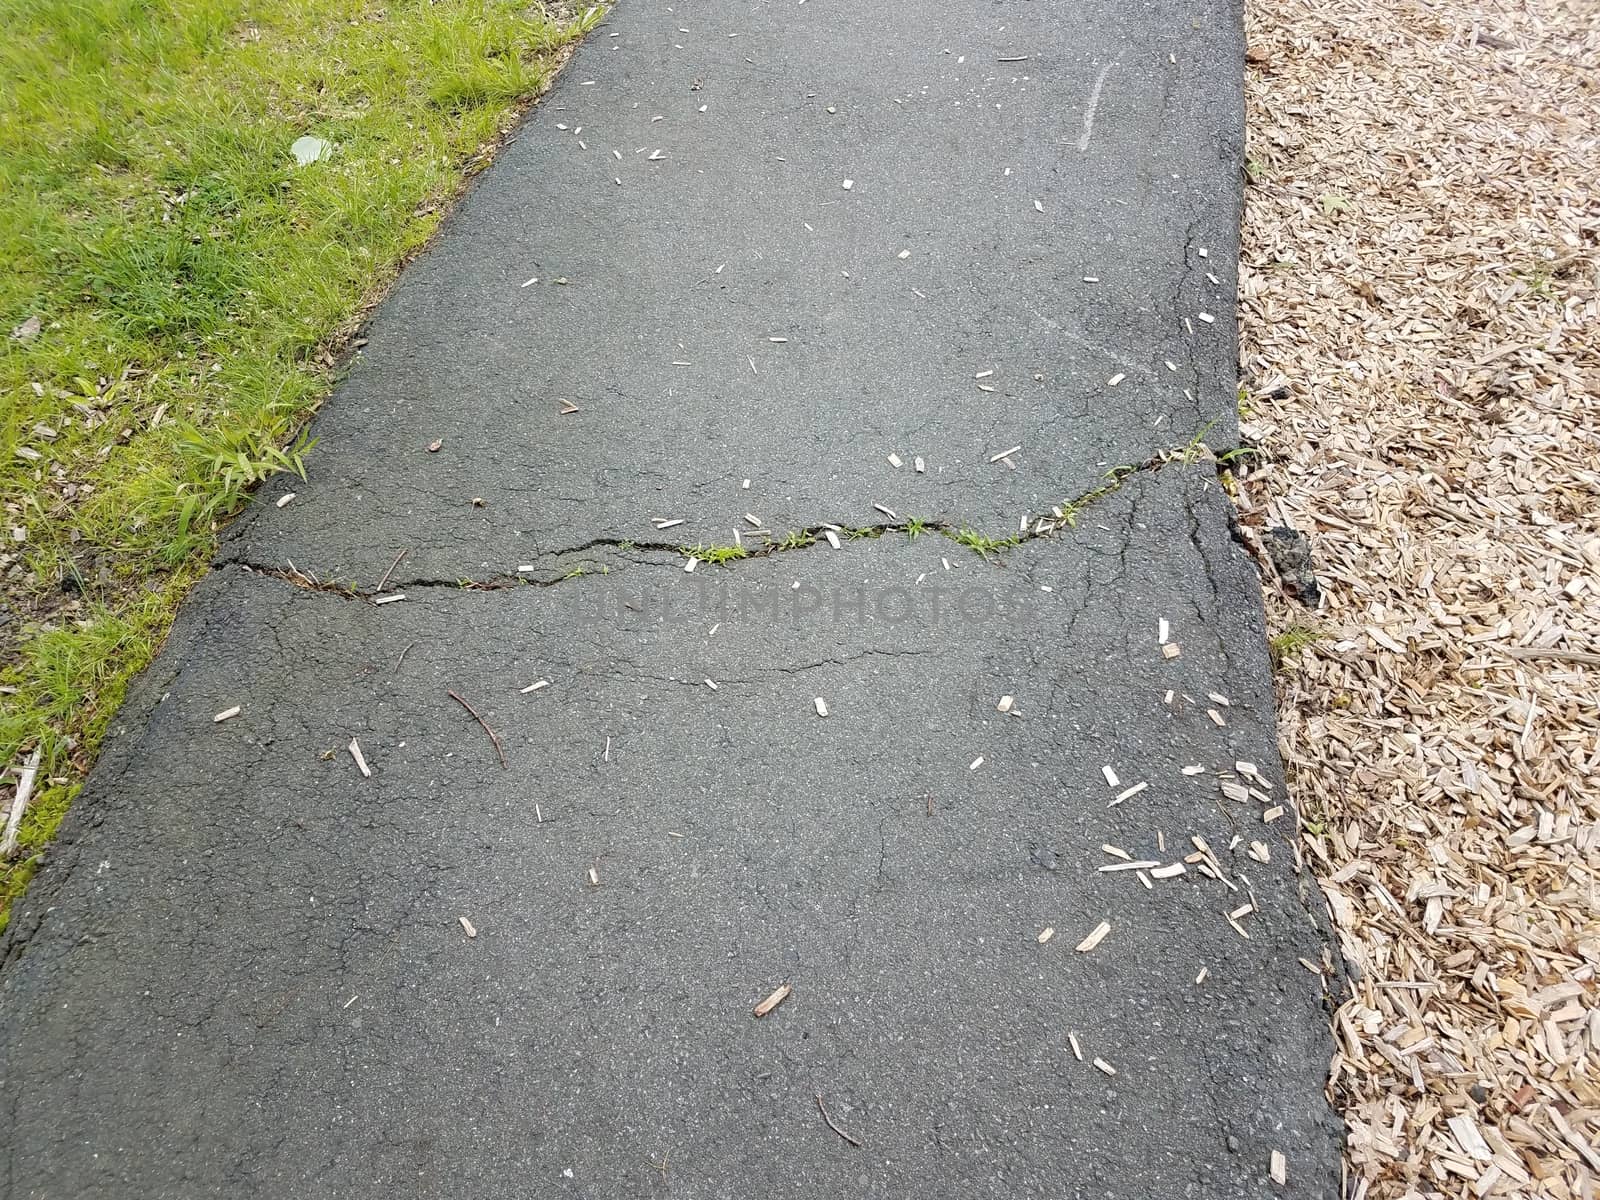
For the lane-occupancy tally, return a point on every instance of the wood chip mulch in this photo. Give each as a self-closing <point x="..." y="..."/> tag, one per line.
<point x="1421" y="349"/>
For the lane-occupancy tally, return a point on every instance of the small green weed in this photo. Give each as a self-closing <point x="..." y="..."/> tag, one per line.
<point x="982" y="543"/>
<point x="1333" y="204"/>
<point x="1292" y="641"/>
<point x="716" y="555"/>
<point x="220" y="466"/>
<point x="1197" y="448"/>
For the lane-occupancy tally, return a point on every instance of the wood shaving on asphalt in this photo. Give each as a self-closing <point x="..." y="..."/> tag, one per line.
<point x="772" y="1001"/>
<point x="1418" y="307"/>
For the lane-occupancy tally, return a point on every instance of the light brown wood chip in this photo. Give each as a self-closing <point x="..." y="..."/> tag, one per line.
<point x="772" y="1001"/>
<point x="1096" y="936"/>
<point x="1130" y="793"/>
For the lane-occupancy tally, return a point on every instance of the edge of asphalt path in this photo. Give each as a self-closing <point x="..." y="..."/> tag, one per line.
<point x="529" y="962"/>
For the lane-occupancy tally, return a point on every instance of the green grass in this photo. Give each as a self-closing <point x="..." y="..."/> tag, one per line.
<point x="1290" y="642"/>
<point x="982" y="543"/>
<point x="191" y="286"/>
<point x="716" y="555"/>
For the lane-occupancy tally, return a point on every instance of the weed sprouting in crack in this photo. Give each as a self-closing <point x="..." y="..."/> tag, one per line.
<point x="1063" y="517"/>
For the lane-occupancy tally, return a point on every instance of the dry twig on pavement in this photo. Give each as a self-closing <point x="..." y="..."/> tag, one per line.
<point x="493" y="736"/>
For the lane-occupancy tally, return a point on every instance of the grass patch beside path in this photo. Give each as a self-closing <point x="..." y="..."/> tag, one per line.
<point x="178" y="287"/>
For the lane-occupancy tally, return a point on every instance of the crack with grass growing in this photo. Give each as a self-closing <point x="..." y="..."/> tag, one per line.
<point x="1059" y="521"/>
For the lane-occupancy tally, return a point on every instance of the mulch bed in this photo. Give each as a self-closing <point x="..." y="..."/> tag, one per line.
<point x="1421" y="349"/>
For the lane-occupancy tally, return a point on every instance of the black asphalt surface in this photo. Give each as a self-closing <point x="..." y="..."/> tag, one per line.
<point x="250" y="970"/>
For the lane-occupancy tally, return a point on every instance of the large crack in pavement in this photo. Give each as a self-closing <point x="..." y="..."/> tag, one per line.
<point x="566" y="563"/>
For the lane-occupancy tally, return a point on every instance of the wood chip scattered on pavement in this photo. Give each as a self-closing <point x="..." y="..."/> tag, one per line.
<point x="1096" y="936"/>
<point x="775" y="999"/>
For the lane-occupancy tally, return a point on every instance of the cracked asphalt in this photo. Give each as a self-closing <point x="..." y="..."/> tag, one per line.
<point x="247" y="968"/>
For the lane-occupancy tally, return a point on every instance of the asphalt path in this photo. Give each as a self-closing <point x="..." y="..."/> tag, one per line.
<point x="479" y="891"/>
